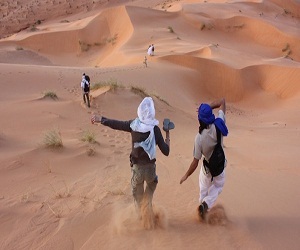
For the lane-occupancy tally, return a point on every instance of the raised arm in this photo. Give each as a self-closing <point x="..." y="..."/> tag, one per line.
<point x="219" y="104"/>
<point x="114" y="124"/>
<point x="164" y="145"/>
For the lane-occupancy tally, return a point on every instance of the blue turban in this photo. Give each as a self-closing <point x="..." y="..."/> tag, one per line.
<point x="205" y="114"/>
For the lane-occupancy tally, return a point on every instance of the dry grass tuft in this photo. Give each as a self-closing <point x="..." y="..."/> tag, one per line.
<point x="57" y="213"/>
<point x="170" y="29"/>
<point x="161" y="99"/>
<point x="53" y="139"/>
<point x="139" y="91"/>
<point x="111" y="83"/>
<point x="112" y="40"/>
<point x="89" y="136"/>
<point x="84" y="47"/>
<point x="62" y="194"/>
<point x="25" y="197"/>
<point x="51" y="95"/>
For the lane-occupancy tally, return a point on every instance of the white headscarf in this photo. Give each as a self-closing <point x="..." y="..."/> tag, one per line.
<point x="145" y="123"/>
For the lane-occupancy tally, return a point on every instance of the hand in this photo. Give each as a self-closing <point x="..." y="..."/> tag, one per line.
<point x="95" y="119"/>
<point x="183" y="179"/>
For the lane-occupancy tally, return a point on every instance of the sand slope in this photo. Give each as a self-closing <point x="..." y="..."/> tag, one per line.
<point x="79" y="196"/>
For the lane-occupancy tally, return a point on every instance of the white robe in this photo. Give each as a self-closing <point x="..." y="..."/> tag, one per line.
<point x="150" y="52"/>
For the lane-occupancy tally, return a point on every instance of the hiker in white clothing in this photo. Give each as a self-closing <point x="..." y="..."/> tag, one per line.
<point x="85" y="86"/>
<point x="150" y="51"/>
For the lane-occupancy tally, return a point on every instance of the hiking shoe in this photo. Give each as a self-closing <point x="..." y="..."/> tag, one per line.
<point x="168" y="125"/>
<point x="202" y="210"/>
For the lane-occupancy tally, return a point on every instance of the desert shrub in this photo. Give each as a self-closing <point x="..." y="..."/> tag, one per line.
<point x="161" y="99"/>
<point x="51" y="95"/>
<point x="139" y="91"/>
<point x="33" y="28"/>
<point x="89" y="136"/>
<point x="112" y="40"/>
<point x="170" y="29"/>
<point x="286" y="48"/>
<point x="84" y="47"/>
<point x="53" y="139"/>
<point x="206" y="26"/>
<point x="111" y="83"/>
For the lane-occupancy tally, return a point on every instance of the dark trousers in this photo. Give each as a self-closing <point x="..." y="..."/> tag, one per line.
<point x="86" y="98"/>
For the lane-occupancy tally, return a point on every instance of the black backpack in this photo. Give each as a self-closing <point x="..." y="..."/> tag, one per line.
<point x="86" y="86"/>
<point x="87" y="78"/>
<point x="217" y="160"/>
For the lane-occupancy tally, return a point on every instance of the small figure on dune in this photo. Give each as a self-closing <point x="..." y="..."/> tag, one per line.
<point x="212" y="172"/>
<point x="150" y="50"/>
<point x="145" y="61"/>
<point x="145" y="135"/>
<point x="85" y="86"/>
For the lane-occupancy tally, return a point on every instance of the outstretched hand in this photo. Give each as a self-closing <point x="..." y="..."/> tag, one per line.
<point x="95" y="119"/>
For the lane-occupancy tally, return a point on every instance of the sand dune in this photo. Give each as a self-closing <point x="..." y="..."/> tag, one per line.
<point x="239" y="83"/>
<point x="79" y="37"/>
<point x="96" y="35"/>
<point x="78" y="196"/>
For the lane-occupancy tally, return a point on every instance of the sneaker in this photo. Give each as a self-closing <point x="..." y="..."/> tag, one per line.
<point x="168" y="125"/>
<point x="202" y="210"/>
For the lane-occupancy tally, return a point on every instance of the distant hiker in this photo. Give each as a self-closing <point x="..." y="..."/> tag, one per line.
<point x="152" y="46"/>
<point x="145" y="61"/>
<point x="85" y="86"/>
<point x="150" y="52"/>
<point x="210" y="184"/>
<point x="145" y="135"/>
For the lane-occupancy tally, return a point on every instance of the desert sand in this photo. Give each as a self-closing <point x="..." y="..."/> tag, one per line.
<point x="78" y="196"/>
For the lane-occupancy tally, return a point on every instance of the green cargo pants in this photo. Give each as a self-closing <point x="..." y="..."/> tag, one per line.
<point x="140" y="174"/>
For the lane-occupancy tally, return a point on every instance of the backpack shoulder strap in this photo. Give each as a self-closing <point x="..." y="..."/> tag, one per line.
<point x="218" y="135"/>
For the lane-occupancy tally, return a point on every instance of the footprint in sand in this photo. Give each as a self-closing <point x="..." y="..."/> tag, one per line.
<point x="118" y="152"/>
<point x="110" y="166"/>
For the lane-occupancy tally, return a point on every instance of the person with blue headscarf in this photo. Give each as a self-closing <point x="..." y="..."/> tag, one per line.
<point x="145" y="135"/>
<point x="205" y="142"/>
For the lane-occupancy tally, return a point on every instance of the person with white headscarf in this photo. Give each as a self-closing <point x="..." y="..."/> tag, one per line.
<point x="145" y="135"/>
